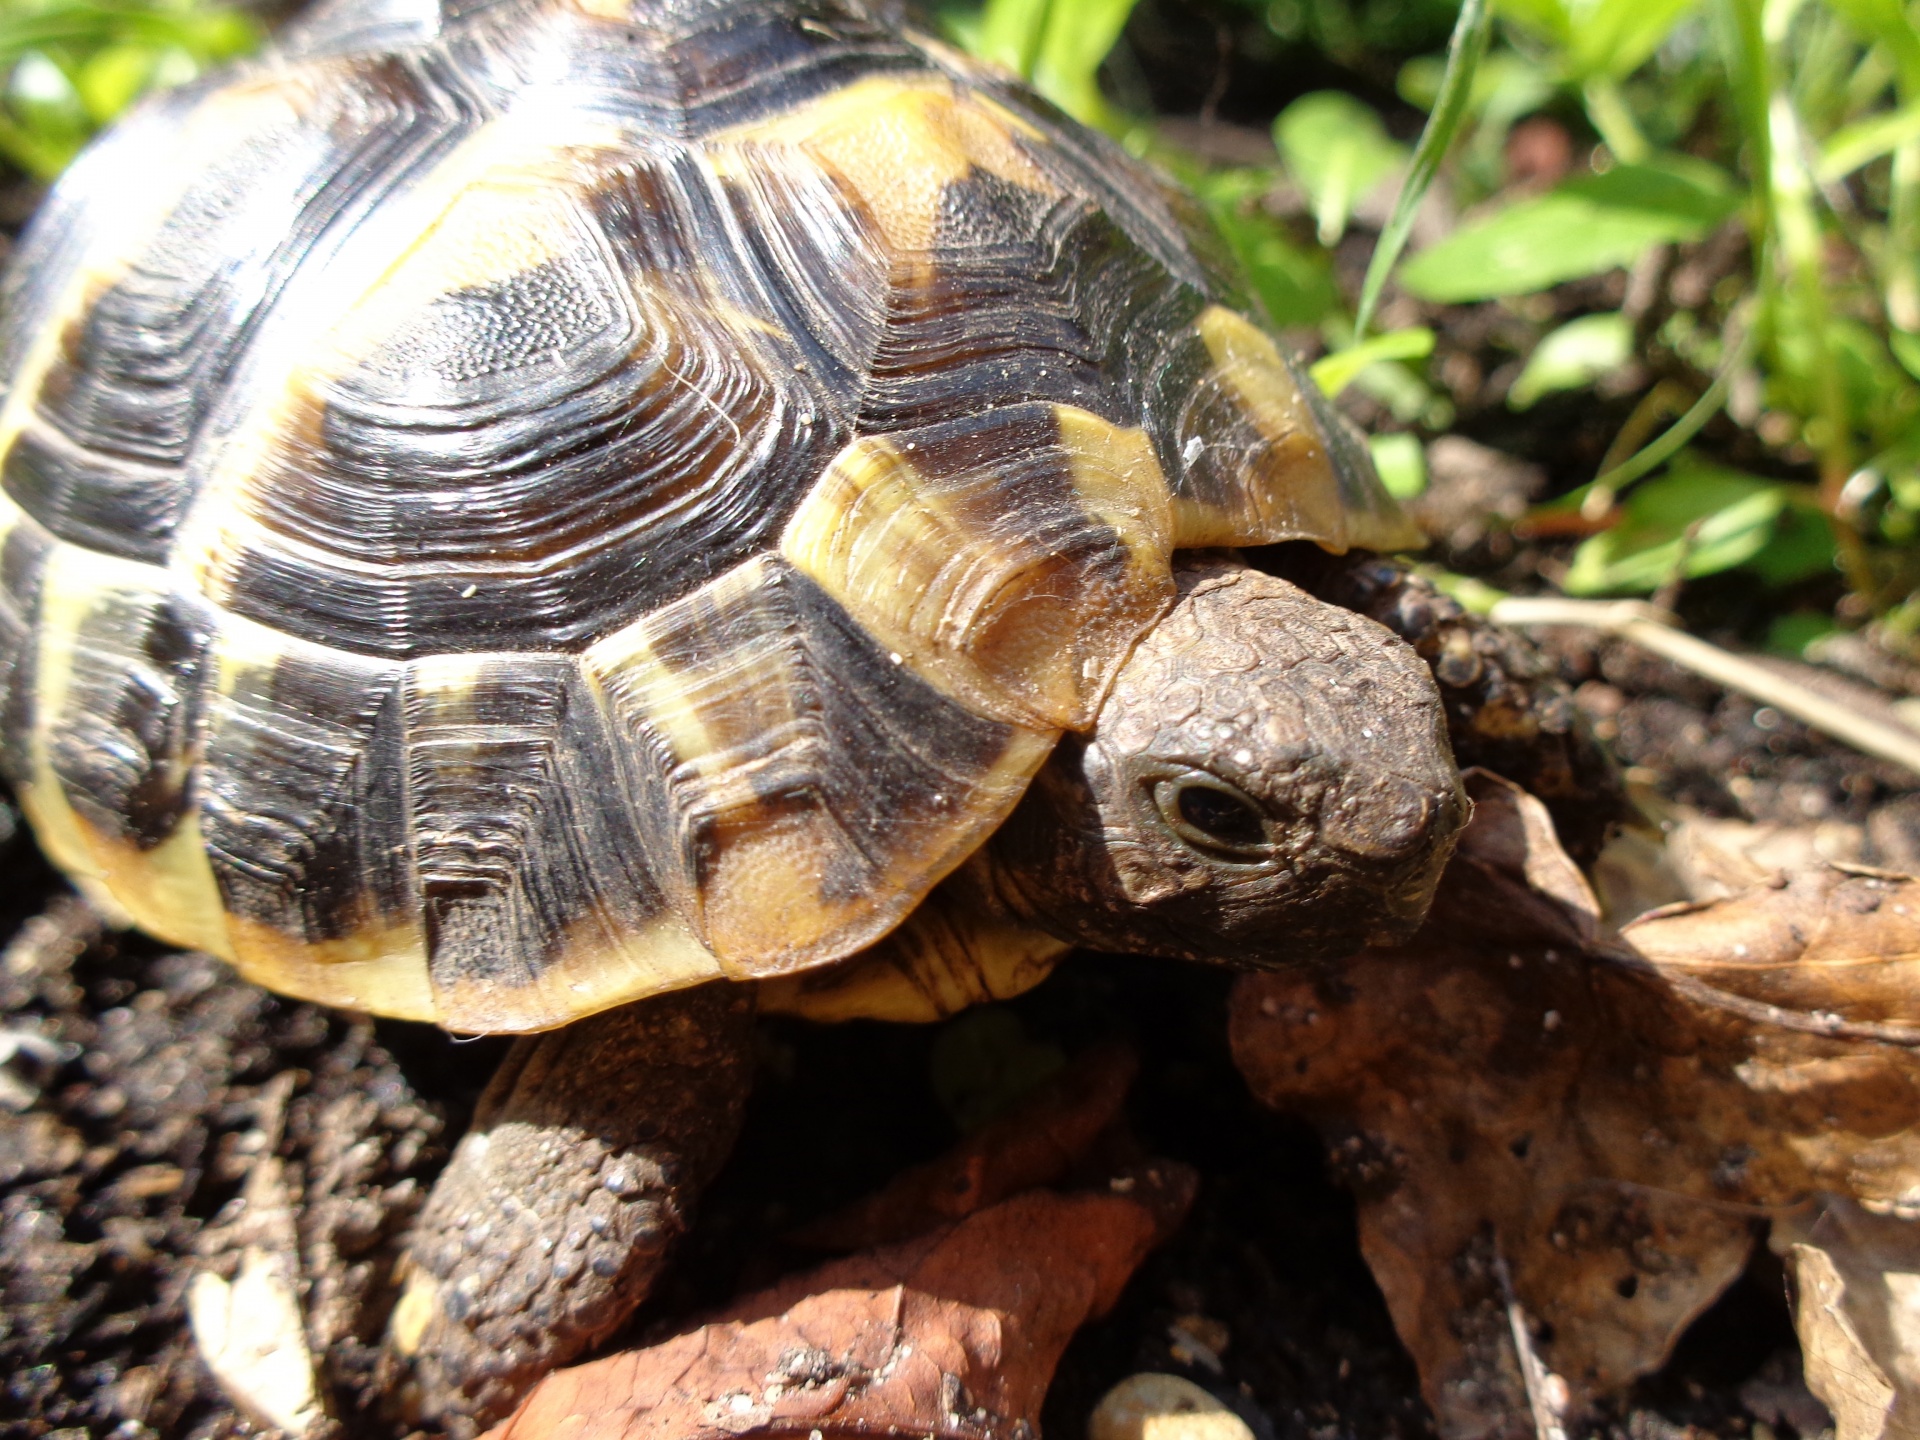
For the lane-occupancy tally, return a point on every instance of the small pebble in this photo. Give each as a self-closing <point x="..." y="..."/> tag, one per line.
<point x="1163" y="1407"/>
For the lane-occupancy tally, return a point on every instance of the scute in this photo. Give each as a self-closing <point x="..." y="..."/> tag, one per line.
<point x="799" y="788"/>
<point x="514" y="507"/>
<point x="137" y="335"/>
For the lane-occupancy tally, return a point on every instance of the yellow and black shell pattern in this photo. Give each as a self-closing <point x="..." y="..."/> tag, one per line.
<point x="511" y="506"/>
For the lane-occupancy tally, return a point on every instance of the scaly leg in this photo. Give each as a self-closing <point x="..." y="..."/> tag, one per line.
<point x="562" y="1202"/>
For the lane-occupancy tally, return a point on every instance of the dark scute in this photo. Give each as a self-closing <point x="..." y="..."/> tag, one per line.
<point x="517" y="494"/>
<point x="1008" y="481"/>
<point x="522" y="834"/>
<point x="23" y="560"/>
<point x="140" y="372"/>
<point x="822" y="722"/>
<point x="56" y="240"/>
<point x="821" y="265"/>
<point x="1123" y="297"/>
<point x="1030" y="300"/>
<point x="1182" y="363"/>
<point x="492" y="332"/>
<point x="101" y="501"/>
<point x="1184" y="396"/>
<point x="991" y="320"/>
<point x="132" y="709"/>
<point x="1015" y="447"/>
<point x="304" y="804"/>
<point x="739" y="62"/>
<point x="890" y="753"/>
<point x="1148" y="209"/>
<point x="507" y="48"/>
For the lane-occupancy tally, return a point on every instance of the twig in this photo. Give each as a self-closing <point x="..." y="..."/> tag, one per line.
<point x="1806" y="1022"/>
<point x="1533" y="1375"/>
<point x="1649" y="628"/>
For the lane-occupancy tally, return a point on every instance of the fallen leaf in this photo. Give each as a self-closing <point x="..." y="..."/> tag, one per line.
<point x="1611" y="1119"/>
<point x="1716" y="858"/>
<point x="955" y="1333"/>
<point x="1857" y="1278"/>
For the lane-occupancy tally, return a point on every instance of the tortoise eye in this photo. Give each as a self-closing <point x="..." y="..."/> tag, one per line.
<point x="1212" y="817"/>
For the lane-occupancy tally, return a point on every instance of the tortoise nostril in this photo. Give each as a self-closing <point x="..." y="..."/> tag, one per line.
<point x="1389" y="819"/>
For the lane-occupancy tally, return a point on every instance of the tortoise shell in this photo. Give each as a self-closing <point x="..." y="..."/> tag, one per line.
<point x="513" y="507"/>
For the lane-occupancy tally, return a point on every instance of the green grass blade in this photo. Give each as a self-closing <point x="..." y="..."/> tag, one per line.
<point x="1657" y="452"/>
<point x="1464" y="53"/>
<point x="1887" y="22"/>
<point x="1865" y="141"/>
<point x="1333" y="373"/>
<point x="1075" y="42"/>
<point x="1010" y="33"/>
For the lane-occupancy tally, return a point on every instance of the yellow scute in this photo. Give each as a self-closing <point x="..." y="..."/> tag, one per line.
<point x="897" y="142"/>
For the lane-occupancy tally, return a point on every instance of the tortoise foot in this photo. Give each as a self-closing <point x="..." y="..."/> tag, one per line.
<point x="563" y="1201"/>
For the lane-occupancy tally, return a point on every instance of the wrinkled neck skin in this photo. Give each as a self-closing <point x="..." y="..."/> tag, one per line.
<point x="1331" y="798"/>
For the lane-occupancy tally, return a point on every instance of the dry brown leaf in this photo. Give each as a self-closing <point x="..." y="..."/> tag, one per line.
<point x="1035" y="1143"/>
<point x="1716" y="858"/>
<point x="1857" y="1281"/>
<point x="1612" y="1124"/>
<point x="953" y="1334"/>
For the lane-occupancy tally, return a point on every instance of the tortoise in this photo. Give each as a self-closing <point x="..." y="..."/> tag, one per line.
<point x="516" y="511"/>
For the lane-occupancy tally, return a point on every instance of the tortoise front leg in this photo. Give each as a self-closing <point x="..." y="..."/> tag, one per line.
<point x="562" y="1201"/>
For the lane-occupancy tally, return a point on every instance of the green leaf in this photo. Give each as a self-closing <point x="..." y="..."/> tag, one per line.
<point x="1886" y="22"/>
<point x="1611" y="38"/>
<point x="1057" y="44"/>
<point x="70" y="66"/>
<point x="1010" y="32"/>
<point x="1548" y="19"/>
<point x="1702" y="519"/>
<point x="1465" y="50"/>
<point x="1472" y="594"/>
<point x="1792" y="634"/>
<point x="1401" y="462"/>
<point x="1504" y="82"/>
<point x="1906" y="349"/>
<point x="1333" y="373"/>
<point x="1576" y="354"/>
<point x="1338" y="150"/>
<point x="1852" y="146"/>
<point x="111" y="80"/>
<point x="1078" y="35"/>
<point x="1585" y="226"/>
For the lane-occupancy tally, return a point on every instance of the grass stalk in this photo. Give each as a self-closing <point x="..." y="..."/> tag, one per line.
<point x="1465" y="50"/>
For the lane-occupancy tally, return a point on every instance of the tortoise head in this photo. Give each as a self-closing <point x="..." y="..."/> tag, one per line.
<point x="1269" y="780"/>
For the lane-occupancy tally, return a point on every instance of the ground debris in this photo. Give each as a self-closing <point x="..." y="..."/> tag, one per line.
<point x="168" y="1096"/>
<point x="1857" y="1275"/>
<point x="1153" y="1406"/>
<point x="955" y="1333"/>
<point x="1609" y="1119"/>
